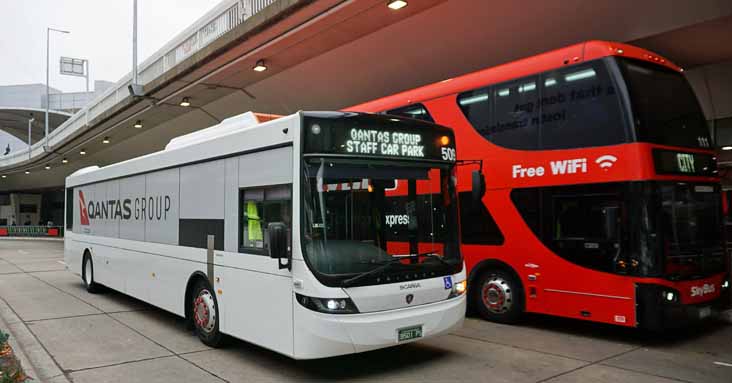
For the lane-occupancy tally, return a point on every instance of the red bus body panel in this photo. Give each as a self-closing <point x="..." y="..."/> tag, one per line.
<point x="552" y="285"/>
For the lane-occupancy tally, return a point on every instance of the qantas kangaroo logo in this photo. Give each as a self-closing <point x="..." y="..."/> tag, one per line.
<point x="82" y="209"/>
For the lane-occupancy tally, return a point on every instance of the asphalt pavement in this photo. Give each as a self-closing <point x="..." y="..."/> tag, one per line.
<point x="70" y="335"/>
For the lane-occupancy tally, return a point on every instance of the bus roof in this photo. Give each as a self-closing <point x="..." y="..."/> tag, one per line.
<point x="572" y="54"/>
<point x="220" y="140"/>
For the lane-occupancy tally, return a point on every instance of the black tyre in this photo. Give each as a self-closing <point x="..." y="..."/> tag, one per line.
<point x="498" y="296"/>
<point x="205" y="314"/>
<point x="87" y="275"/>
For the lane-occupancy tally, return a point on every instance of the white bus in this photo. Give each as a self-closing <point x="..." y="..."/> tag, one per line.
<point x="313" y="235"/>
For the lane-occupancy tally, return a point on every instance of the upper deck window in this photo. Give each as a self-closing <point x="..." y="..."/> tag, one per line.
<point x="571" y="107"/>
<point x="664" y="106"/>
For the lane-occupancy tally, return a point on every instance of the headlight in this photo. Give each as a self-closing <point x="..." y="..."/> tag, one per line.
<point x="328" y="305"/>
<point x="725" y="284"/>
<point x="669" y="296"/>
<point x="458" y="289"/>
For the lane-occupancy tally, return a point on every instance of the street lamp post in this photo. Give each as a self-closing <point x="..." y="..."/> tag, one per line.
<point x="48" y="53"/>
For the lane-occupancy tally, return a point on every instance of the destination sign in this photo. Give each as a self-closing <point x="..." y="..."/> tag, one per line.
<point x="371" y="141"/>
<point x="368" y="135"/>
<point x="681" y="163"/>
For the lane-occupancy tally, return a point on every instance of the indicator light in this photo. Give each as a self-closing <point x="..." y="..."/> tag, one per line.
<point x="444" y="140"/>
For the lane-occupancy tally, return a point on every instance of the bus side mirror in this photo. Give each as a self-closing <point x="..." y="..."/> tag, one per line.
<point x="478" y="186"/>
<point x="277" y="239"/>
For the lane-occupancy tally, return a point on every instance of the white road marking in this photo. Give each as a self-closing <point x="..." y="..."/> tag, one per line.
<point x="723" y="364"/>
<point x="62" y="262"/>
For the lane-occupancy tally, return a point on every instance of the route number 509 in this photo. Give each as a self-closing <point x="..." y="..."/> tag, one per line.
<point x="448" y="154"/>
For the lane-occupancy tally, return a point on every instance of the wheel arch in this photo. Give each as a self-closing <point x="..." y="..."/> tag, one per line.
<point x="491" y="264"/>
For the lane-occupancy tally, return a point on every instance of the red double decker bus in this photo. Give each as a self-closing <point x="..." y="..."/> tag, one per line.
<point x="602" y="195"/>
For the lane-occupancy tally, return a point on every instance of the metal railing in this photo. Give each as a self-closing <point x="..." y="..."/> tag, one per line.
<point x="220" y="20"/>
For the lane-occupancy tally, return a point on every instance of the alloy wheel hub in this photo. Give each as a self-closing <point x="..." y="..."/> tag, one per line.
<point x="204" y="311"/>
<point x="496" y="295"/>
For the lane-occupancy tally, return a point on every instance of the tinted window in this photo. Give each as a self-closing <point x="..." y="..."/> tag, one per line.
<point x="416" y="111"/>
<point x="571" y="107"/>
<point x="580" y="223"/>
<point x="527" y="202"/>
<point x="476" y="223"/>
<point x="258" y="208"/>
<point x="70" y="208"/>
<point x="664" y="106"/>
<point x="505" y="113"/>
<point x="580" y="107"/>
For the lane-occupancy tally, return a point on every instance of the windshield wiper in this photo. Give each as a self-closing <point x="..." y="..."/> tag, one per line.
<point x="386" y="265"/>
<point x="431" y="255"/>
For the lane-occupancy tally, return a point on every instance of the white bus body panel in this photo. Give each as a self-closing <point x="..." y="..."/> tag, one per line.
<point x="153" y="257"/>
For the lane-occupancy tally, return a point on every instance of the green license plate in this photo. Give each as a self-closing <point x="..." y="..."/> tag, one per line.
<point x="409" y="333"/>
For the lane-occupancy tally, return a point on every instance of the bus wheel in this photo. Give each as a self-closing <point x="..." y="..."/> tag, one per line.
<point x="498" y="297"/>
<point x="205" y="315"/>
<point x="87" y="275"/>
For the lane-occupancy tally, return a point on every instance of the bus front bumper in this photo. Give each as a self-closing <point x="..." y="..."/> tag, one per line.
<point x="319" y="335"/>
<point x="656" y="314"/>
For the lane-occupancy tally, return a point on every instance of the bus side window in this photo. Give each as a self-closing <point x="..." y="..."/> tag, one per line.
<point x="477" y="225"/>
<point x="70" y="205"/>
<point x="258" y="208"/>
<point x="586" y="229"/>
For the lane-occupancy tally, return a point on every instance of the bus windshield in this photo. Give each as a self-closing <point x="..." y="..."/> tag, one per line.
<point x="359" y="217"/>
<point x="691" y="230"/>
<point x="664" y="106"/>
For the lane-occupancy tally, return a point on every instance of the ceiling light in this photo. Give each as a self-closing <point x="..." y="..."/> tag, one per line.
<point x="47" y="167"/>
<point x="397" y="4"/>
<point x="260" y="67"/>
<point x="4" y="176"/>
<point x="64" y="161"/>
<point x="105" y="140"/>
<point x="726" y="147"/>
<point x="82" y="152"/>
<point x="138" y="124"/>
<point x="27" y="172"/>
<point x="185" y="102"/>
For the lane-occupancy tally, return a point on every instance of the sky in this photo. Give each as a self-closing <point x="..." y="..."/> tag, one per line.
<point x="101" y="31"/>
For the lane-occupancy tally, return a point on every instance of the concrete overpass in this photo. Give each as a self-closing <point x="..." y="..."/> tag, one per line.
<point x="329" y="54"/>
<point x="14" y="120"/>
